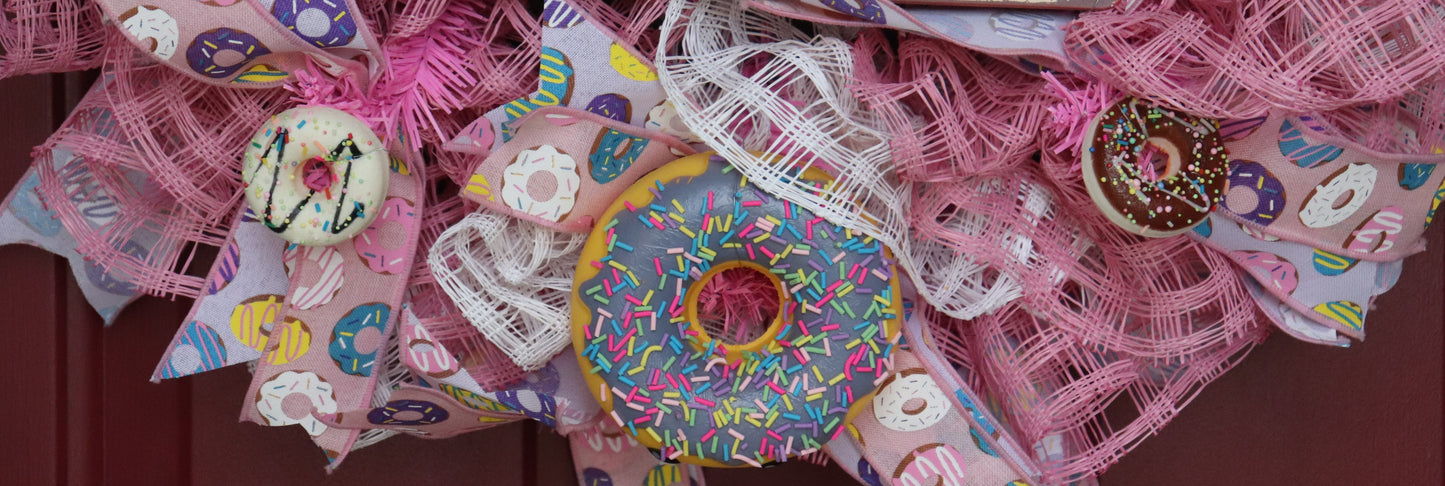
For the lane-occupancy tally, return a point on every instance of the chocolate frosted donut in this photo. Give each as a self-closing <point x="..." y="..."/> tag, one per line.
<point x="1154" y="171"/>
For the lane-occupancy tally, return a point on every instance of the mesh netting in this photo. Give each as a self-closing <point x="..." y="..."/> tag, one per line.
<point x="163" y="149"/>
<point x="1240" y="59"/>
<point x="47" y="36"/>
<point x="513" y="281"/>
<point x="634" y="22"/>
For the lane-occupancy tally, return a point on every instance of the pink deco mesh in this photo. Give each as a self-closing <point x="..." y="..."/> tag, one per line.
<point x="47" y="36"/>
<point x="634" y="22"/>
<point x="167" y="131"/>
<point x="1240" y="59"/>
<point x="980" y="115"/>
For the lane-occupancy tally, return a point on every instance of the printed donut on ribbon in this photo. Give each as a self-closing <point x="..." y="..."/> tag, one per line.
<point x="271" y="397"/>
<point x="323" y="23"/>
<point x="344" y="349"/>
<point x="1339" y="196"/>
<point x="542" y="182"/>
<point x="219" y="53"/>
<point x="329" y="279"/>
<point x="931" y="464"/>
<point x="380" y="255"/>
<point x="199" y="349"/>
<point x="150" y="25"/>
<point x="909" y="400"/>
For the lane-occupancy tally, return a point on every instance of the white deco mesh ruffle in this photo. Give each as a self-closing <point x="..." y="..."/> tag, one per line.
<point x="512" y="280"/>
<point x="748" y="82"/>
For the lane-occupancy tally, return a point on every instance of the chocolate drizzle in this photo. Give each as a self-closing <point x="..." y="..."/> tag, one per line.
<point x="336" y="226"/>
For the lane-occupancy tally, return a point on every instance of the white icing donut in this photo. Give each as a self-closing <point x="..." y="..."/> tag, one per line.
<point x="1356" y="181"/>
<point x="272" y="393"/>
<point x="935" y="463"/>
<point x="425" y="356"/>
<point x="897" y="406"/>
<point x="315" y="175"/>
<point x="663" y="118"/>
<point x="327" y="283"/>
<point x="545" y="160"/>
<point x="149" y="23"/>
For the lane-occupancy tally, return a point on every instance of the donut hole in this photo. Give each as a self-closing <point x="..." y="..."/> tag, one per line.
<point x="1242" y="200"/>
<point x="228" y="58"/>
<point x="367" y="340"/>
<point x="312" y="22"/>
<point x="915" y="406"/>
<point x="186" y="359"/>
<point x="622" y="147"/>
<point x="422" y="346"/>
<point x="542" y="186"/>
<point x="393" y="234"/>
<point x="737" y="305"/>
<point x="407" y="416"/>
<point x="1343" y="199"/>
<point x="296" y="406"/>
<point x="316" y="174"/>
<point x="1157" y="159"/>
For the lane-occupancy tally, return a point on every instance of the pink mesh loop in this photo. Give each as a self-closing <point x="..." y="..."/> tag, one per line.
<point x="1239" y="61"/>
<point x="49" y="36"/>
<point x="978" y="115"/>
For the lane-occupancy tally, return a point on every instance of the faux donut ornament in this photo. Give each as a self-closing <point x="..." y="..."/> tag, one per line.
<point x="234" y="48"/>
<point x="1153" y="171"/>
<point x="613" y="153"/>
<point x="1255" y="194"/>
<point x="322" y="23"/>
<point x="326" y="283"/>
<point x="370" y="245"/>
<point x="932" y="464"/>
<point x="199" y="349"/>
<point x="1295" y="148"/>
<point x="1378" y="233"/>
<point x="1339" y="196"/>
<point x="910" y="401"/>
<point x="408" y="412"/>
<point x="315" y="175"/>
<point x="251" y="319"/>
<point x="318" y="393"/>
<point x="554" y="170"/>
<point x="692" y="398"/>
<point x="148" y="23"/>
<point x="343" y="350"/>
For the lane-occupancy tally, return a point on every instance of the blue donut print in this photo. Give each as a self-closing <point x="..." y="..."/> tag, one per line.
<point x="613" y="153"/>
<point x="554" y="87"/>
<point x="343" y="338"/>
<point x="1294" y="147"/>
<point x="26" y="206"/>
<point x="209" y="352"/>
<point x="1205" y="228"/>
<point x="982" y="444"/>
<point x="536" y="406"/>
<point x="1414" y="176"/>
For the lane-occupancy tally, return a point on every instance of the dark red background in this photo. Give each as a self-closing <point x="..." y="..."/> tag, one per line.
<point x="78" y="408"/>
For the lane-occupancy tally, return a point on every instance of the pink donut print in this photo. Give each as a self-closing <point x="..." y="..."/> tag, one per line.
<point x="425" y="356"/>
<point x="369" y="246"/>
<point x="319" y="287"/>
<point x="931" y="464"/>
<point x="1378" y="233"/>
<point x="1282" y="275"/>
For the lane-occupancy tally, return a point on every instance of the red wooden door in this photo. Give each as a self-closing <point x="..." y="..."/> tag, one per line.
<point x="78" y="408"/>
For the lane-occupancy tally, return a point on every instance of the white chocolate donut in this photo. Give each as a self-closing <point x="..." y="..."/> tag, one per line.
<point x="273" y="393"/>
<point x="315" y="175"/>
<point x="897" y="405"/>
<point x="1357" y="181"/>
<point x="326" y="283"/>
<point x="149" y="23"/>
<point x="542" y="161"/>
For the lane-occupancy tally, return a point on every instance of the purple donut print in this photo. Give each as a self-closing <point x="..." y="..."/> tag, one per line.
<point x="412" y="412"/>
<point x="113" y="282"/>
<point x="868" y="10"/>
<point x="611" y="105"/>
<point x="243" y="48"/>
<point x="323" y="23"/>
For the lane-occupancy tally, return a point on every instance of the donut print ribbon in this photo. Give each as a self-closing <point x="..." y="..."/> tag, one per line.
<point x="581" y="66"/>
<point x="913" y="433"/>
<point x="1027" y="38"/>
<point x="563" y="167"/>
<point x="1331" y="291"/>
<point x="604" y="454"/>
<point x="328" y="352"/>
<point x="249" y="43"/>
<point x="1290" y="179"/>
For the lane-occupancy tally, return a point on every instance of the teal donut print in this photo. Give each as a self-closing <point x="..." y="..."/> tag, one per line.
<point x="1295" y="148"/>
<point x="26" y="206"/>
<point x="200" y="349"/>
<point x="554" y="88"/>
<point x="343" y="338"/>
<point x="1414" y="176"/>
<point x="613" y="153"/>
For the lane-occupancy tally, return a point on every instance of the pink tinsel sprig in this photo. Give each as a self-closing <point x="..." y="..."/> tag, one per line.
<point x="1076" y="108"/>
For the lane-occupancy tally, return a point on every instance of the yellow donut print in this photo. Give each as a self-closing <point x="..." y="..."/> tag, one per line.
<point x="249" y="319"/>
<point x="1344" y="312"/>
<point x="629" y="66"/>
<point x="291" y="341"/>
